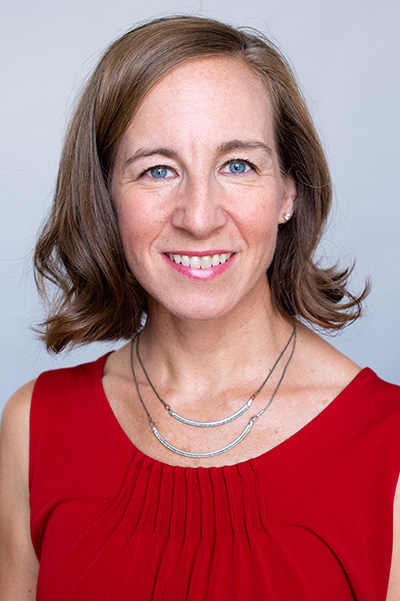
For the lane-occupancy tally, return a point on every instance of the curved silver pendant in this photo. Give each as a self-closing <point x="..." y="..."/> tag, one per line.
<point x="210" y="453"/>
<point x="220" y="422"/>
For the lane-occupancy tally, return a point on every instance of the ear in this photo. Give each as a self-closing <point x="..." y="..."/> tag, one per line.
<point x="288" y="200"/>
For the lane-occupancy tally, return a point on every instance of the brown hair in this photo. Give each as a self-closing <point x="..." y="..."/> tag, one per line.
<point x="80" y="248"/>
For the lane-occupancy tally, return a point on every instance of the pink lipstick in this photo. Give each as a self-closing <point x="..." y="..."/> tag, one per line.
<point x="200" y="265"/>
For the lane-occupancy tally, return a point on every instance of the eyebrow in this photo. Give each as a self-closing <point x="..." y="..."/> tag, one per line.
<point x="243" y="145"/>
<point x="143" y="152"/>
<point x="223" y="148"/>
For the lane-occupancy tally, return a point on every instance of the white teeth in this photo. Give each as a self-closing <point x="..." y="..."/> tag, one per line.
<point x="197" y="262"/>
<point x="205" y="262"/>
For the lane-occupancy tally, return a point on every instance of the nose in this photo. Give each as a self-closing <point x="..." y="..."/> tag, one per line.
<point x="199" y="210"/>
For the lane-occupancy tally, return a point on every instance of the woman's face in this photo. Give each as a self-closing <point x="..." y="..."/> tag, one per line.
<point x="198" y="190"/>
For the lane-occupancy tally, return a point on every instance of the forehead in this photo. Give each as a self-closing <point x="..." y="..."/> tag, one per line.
<point x="205" y="92"/>
<point x="216" y="71"/>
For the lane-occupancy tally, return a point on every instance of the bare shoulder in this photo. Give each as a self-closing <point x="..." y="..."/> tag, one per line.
<point x="14" y="446"/>
<point x="322" y="365"/>
<point x="18" y="563"/>
<point x="14" y="435"/>
<point x="15" y="418"/>
<point x="117" y="371"/>
<point x="118" y="361"/>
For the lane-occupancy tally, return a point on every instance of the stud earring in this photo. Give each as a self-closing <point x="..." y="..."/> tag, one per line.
<point x="286" y="216"/>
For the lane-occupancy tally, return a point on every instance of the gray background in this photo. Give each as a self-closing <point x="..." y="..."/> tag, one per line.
<point x="346" y="55"/>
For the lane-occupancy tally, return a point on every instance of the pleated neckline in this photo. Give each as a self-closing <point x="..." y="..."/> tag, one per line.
<point x="329" y="411"/>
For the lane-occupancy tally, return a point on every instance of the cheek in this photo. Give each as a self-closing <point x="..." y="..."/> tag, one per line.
<point x="260" y="232"/>
<point x="133" y="235"/>
<point x="138" y="226"/>
<point x="259" y="220"/>
<point x="266" y="241"/>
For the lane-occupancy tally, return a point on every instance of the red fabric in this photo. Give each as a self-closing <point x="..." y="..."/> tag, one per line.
<point x="309" y="520"/>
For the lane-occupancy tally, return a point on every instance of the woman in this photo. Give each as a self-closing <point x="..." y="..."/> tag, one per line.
<point x="226" y="451"/>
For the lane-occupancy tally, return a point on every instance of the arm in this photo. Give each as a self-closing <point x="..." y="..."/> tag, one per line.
<point x="18" y="563"/>
<point x="394" y="580"/>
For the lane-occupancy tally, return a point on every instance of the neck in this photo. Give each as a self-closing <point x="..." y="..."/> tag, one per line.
<point x="242" y="346"/>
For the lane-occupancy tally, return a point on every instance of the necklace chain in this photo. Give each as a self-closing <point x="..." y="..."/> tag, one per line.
<point x="211" y="424"/>
<point x="219" y="422"/>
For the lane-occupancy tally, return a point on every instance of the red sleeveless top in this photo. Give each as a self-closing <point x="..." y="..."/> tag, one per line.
<point x="309" y="520"/>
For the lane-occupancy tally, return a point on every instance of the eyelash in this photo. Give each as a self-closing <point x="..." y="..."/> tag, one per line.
<point x="230" y="162"/>
<point x="244" y="161"/>
<point x="147" y="171"/>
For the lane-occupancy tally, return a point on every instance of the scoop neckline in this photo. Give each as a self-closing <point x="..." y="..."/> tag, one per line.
<point x="138" y="454"/>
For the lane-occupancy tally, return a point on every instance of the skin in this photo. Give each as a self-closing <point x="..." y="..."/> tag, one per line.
<point x="18" y="563"/>
<point x="207" y="129"/>
<point x="196" y="131"/>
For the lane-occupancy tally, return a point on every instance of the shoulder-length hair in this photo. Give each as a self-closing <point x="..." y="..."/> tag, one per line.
<point x="80" y="248"/>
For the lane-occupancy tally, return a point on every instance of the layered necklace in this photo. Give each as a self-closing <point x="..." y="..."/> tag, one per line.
<point x="219" y="422"/>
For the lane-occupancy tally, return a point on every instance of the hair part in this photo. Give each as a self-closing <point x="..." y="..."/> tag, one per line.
<point x="80" y="249"/>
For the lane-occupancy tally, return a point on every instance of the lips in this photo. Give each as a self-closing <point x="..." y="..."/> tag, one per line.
<point x="199" y="261"/>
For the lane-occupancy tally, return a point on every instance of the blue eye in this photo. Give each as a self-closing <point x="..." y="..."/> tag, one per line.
<point x="237" y="167"/>
<point x="158" y="172"/>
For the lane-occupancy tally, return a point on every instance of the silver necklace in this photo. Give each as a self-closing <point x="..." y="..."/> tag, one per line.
<point x="219" y="422"/>
<point x="211" y="424"/>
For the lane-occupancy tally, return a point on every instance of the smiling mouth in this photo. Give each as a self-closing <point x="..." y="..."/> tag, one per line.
<point x="197" y="262"/>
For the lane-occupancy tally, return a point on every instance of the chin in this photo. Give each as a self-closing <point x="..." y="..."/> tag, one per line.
<point x="203" y="314"/>
<point x="196" y="310"/>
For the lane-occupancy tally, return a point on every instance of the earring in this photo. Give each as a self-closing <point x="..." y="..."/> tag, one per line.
<point x="286" y="216"/>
